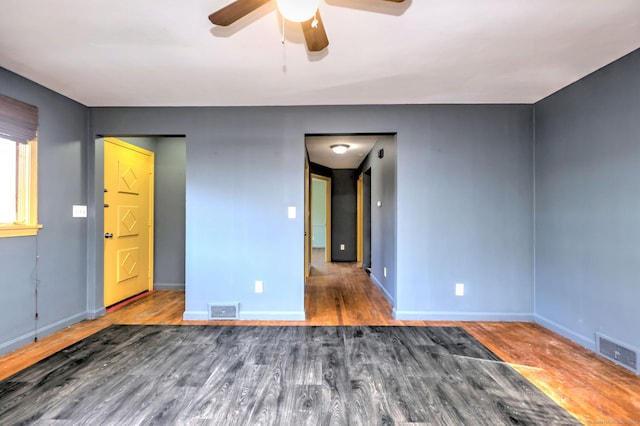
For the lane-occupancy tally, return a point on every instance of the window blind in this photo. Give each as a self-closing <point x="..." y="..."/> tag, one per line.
<point x="18" y="121"/>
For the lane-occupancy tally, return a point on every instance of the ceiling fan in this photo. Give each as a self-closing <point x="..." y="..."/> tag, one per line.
<point x="304" y="11"/>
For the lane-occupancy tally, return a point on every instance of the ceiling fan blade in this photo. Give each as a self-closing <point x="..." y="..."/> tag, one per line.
<point x="234" y="11"/>
<point x="396" y="1"/>
<point x="316" y="38"/>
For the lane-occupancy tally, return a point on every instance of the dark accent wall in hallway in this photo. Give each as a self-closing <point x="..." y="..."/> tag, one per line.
<point x="343" y="215"/>
<point x="319" y="169"/>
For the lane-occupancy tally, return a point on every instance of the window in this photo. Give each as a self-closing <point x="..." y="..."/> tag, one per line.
<point x="18" y="168"/>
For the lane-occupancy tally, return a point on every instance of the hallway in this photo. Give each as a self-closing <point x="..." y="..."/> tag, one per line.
<point x="341" y="293"/>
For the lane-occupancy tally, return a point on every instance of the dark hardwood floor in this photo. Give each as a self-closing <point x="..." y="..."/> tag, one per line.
<point x="591" y="388"/>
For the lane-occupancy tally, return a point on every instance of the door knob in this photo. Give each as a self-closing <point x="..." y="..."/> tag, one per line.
<point x="108" y="235"/>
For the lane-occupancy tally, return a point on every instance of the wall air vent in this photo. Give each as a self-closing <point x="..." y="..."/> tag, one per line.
<point x="227" y="311"/>
<point x="617" y="352"/>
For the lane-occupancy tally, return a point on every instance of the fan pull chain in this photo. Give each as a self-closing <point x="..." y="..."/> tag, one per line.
<point x="283" y="20"/>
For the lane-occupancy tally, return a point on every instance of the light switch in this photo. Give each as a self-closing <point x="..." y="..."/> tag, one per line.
<point x="79" y="211"/>
<point x="291" y="212"/>
<point x="379" y="203"/>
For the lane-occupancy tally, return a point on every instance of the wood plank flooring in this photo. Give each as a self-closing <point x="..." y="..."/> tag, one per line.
<point x="276" y="375"/>
<point x="591" y="388"/>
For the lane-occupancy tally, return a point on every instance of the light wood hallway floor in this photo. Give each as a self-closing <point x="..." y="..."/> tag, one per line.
<point x="593" y="389"/>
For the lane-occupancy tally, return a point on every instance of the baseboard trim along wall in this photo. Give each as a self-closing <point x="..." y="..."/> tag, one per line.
<point x="43" y="331"/>
<point x="273" y="316"/>
<point x="461" y="316"/>
<point x="382" y="289"/>
<point x="565" y="332"/>
<point x="168" y="286"/>
<point x="250" y="315"/>
<point x="96" y="314"/>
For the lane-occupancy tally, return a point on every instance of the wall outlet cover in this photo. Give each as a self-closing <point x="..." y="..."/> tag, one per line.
<point x="291" y="212"/>
<point x="79" y="211"/>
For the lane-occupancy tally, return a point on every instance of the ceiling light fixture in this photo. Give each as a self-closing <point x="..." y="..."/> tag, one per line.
<point x="298" y="10"/>
<point x="340" y="148"/>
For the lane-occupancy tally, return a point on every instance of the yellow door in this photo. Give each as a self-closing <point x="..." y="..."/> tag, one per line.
<point x="128" y="220"/>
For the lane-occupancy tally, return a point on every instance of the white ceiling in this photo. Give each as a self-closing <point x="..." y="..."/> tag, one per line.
<point x="166" y="52"/>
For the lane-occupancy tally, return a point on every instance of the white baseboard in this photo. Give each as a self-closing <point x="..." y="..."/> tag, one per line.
<point x="251" y="315"/>
<point x="168" y="286"/>
<point x="273" y="315"/>
<point x="384" y="291"/>
<point x="565" y="332"/>
<point x="195" y="316"/>
<point x="461" y="316"/>
<point x="43" y="331"/>
<point x="97" y="313"/>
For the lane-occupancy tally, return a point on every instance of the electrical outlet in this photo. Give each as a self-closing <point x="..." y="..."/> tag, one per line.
<point x="258" y="286"/>
<point x="459" y="289"/>
<point x="342" y="247"/>
<point x="384" y="271"/>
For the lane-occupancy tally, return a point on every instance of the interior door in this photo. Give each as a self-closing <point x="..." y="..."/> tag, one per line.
<point x="128" y="220"/>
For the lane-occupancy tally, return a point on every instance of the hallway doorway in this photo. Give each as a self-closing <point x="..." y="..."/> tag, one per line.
<point x="362" y="194"/>
<point x="342" y="293"/>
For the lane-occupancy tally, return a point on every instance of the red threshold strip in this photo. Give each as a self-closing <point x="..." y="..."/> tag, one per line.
<point x="125" y="302"/>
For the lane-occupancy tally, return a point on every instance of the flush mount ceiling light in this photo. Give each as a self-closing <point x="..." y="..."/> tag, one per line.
<point x="298" y="10"/>
<point x="340" y="148"/>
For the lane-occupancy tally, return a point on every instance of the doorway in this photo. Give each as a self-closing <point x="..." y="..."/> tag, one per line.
<point x="128" y="220"/>
<point x="320" y="217"/>
<point x="169" y="219"/>
<point x="363" y="205"/>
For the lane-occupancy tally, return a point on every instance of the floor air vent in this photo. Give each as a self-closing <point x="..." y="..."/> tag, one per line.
<point x="223" y="312"/>
<point x="617" y="352"/>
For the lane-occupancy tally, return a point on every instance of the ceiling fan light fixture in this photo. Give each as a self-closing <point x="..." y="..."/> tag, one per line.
<point x="340" y="148"/>
<point x="298" y="10"/>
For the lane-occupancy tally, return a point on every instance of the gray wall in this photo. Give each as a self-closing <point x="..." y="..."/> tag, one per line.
<point x="343" y="215"/>
<point x="464" y="203"/>
<point x="588" y="206"/>
<point x="170" y="199"/>
<point x="464" y="182"/>
<point x="62" y="243"/>
<point x="383" y="217"/>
